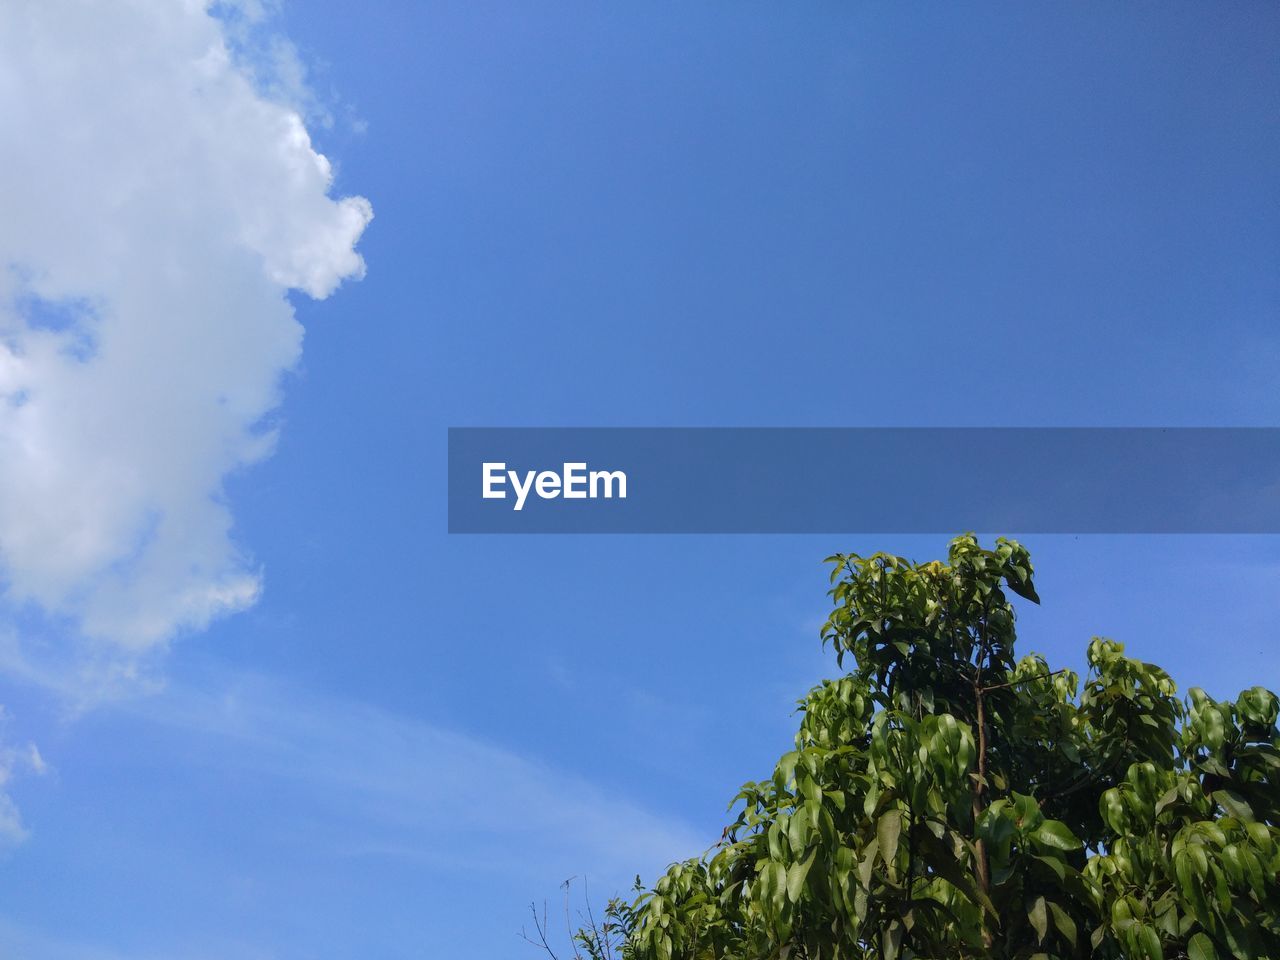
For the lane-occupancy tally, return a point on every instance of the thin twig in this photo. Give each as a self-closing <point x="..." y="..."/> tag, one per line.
<point x="568" y="919"/>
<point x="1043" y="676"/>
<point x="541" y="927"/>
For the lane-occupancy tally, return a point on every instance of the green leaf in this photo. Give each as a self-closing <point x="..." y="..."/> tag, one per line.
<point x="796" y="875"/>
<point x="1053" y="863"/>
<point x="1235" y="805"/>
<point x="1039" y="918"/>
<point x="1168" y="797"/>
<point x="888" y="830"/>
<point x="774" y="839"/>
<point x="1200" y="947"/>
<point x="1150" y="942"/>
<point x="778" y="884"/>
<point x="1099" y="934"/>
<point x="892" y="940"/>
<point x="1062" y="920"/>
<point x="866" y="865"/>
<point x="941" y="861"/>
<point x="1056" y="834"/>
<point x="785" y="769"/>
<point x="798" y="831"/>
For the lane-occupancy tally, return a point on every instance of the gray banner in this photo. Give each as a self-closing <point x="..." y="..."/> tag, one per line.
<point x="872" y="480"/>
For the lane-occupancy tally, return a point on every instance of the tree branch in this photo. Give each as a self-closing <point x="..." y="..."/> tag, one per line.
<point x="1043" y="676"/>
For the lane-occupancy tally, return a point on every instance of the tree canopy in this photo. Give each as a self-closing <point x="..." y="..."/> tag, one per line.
<point x="947" y="800"/>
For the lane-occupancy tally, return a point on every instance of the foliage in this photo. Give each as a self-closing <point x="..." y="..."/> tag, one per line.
<point x="946" y="800"/>
<point x="605" y="939"/>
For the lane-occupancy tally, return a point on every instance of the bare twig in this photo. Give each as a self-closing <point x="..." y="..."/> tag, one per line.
<point x="541" y="927"/>
<point x="568" y="920"/>
<point x="1042" y="676"/>
<point x="602" y="942"/>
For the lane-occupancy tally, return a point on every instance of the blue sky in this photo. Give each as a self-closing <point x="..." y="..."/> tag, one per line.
<point x="585" y="214"/>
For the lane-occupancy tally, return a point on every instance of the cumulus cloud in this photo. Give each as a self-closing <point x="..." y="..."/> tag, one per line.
<point x="160" y="202"/>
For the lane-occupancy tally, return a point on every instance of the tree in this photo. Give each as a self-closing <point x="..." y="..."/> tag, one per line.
<point x="945" y="800"/>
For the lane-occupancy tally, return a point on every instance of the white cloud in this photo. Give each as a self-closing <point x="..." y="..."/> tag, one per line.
<point x="158" y="207"/>
<point x="313" y="787"/>
<point x="14" y="760"/>
<point x="379" y="784"/>
<point x="19" y="940"/>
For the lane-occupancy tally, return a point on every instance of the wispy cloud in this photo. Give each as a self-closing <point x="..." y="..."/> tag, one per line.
<point x="383" y="785"/>
<point x="18" y="940"/>
<point x="306" y="815"/>
<point x="15" y="759"/>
